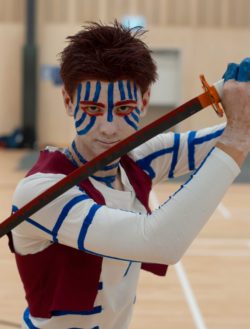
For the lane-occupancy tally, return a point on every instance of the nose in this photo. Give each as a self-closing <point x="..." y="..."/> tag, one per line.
<point x="108" y="128"/>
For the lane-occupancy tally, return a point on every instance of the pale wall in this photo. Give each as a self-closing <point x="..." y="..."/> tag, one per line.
<point x="11" y="40"/>
<point x="203" y="50"/>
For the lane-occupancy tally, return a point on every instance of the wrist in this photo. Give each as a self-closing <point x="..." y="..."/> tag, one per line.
<point x="233" y="151"/>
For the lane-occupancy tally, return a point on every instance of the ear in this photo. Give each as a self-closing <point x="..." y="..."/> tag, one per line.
<point x="68" y="103"/>
<point x="145" y="102"/>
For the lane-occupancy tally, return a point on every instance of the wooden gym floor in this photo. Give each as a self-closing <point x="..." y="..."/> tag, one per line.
<point x="208" y="289"/>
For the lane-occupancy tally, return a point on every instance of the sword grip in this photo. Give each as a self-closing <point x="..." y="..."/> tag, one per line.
<point x="219" y="87"/>
<point x="214" y="93"/>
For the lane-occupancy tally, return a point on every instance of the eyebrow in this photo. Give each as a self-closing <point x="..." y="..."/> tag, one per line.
<point x="92" y="103"/>
<point x="129" y="101"/>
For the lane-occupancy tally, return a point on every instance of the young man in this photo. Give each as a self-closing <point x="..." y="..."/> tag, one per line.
<point x="79" y="257"/>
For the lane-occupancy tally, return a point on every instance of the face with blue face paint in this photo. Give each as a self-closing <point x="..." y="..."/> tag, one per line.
<point x="105" y="113"/>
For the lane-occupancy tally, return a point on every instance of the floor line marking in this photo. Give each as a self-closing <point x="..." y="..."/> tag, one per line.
<point x="224" y="211"/>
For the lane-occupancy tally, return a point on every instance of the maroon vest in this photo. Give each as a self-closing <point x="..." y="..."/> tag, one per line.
<point x="62" y="278"/>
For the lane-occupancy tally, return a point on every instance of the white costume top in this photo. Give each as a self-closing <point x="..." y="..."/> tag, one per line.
<point x="121" y="231"/>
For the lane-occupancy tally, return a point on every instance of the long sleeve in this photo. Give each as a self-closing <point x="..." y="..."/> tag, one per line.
<point x="170" y="155"/>
<point x="75" y="220"/>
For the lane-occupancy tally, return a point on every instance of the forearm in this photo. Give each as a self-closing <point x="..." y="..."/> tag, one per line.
<point x="164" y="236"/>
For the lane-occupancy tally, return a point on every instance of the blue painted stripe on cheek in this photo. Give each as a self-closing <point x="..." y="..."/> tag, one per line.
<point x="88" y="127"/>
<point x="79" y="90"/>
<point x="87" y="91"/>
<point x="121" y="89"/>
<point x="92" y="120"/>
<point x="110" y="101"/>
<point x="81" y="120"/>
<point x="131" y="123"/>
<point x="86" y="97"/>
<point x="137" y="111"/>
<point x="135" y="117"/>
<point x="97" y="91"/>
<point x="130" y="96"/>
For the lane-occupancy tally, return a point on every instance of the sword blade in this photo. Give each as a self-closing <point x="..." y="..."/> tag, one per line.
<point x="156" y="127"/>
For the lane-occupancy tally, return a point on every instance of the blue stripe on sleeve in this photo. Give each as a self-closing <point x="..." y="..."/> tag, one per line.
<point x="190" y="178"/>
<point x="145" y="163"/>
<point x="193" y="140"/>
<point x="175" y="155"/>
<point x="87" y="222"/>
<point x="32" y="222"/>
<point x="64" y="213"/>
<point x="126" y="272"/>
<point x="37" y="225"/>
<point x="191" y="150"/>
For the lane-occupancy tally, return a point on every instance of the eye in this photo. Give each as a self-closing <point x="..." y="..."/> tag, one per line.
<point x="92" y="110"/>
<point x="124" y="110"/>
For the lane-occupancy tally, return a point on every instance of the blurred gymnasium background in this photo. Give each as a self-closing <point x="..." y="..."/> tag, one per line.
<point x="187" y="37"/>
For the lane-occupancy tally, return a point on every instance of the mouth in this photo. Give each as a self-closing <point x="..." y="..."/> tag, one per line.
<point x="107" y="143"/>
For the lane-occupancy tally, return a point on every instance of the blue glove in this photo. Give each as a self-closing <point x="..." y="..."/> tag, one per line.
<point x="239" y="72"/>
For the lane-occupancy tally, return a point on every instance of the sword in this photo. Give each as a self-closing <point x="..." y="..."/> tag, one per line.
<point x="210" y="96"/>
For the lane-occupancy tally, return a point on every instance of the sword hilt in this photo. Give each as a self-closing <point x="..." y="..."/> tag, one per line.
<point x="215" y="93"/>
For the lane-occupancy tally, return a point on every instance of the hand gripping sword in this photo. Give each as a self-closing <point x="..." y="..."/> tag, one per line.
<point x="210" y="96"/>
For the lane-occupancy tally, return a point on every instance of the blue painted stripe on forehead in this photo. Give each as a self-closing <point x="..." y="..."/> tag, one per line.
<point x="137" y="111"/>
<point x="87" y="91"/>
<point x="88" y="127"/>
<point x="79" y="90"/>
<point x="130" y="96"/>
<point x="97" y="91"/>
<point x="135" y="91"/>
<point x="121" y="88"/>
<point x="131" y="123"/>
<point x="110" y="101"/>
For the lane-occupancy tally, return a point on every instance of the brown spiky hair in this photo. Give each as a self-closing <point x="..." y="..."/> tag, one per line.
<point x="107" y="53"/>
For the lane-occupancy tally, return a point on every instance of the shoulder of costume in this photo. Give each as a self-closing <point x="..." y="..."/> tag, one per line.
<point x="52" y="160"/>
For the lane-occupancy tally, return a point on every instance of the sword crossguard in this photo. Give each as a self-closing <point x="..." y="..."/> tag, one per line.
<point x="213" y="95"/>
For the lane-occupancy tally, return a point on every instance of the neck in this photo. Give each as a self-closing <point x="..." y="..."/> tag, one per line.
<point x="108" y="175"/>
